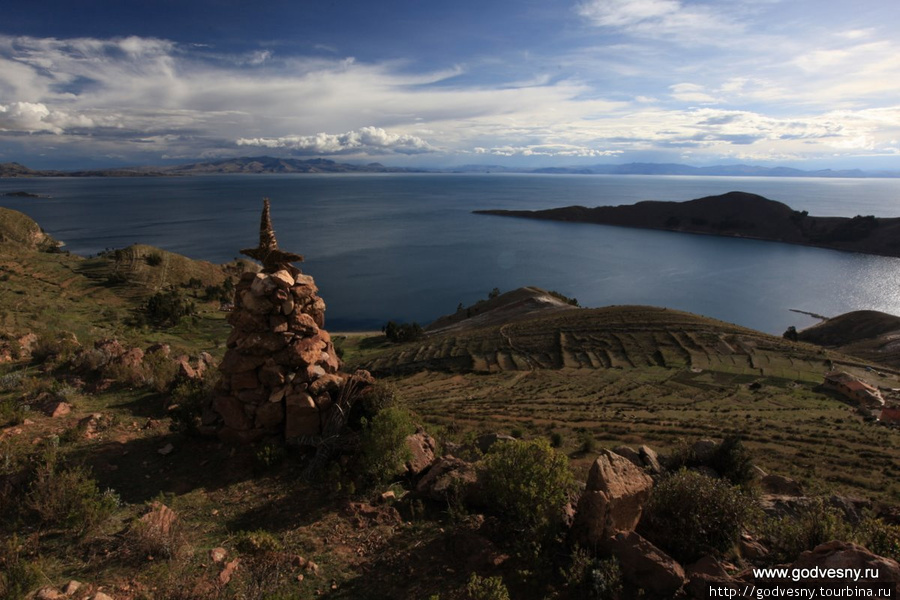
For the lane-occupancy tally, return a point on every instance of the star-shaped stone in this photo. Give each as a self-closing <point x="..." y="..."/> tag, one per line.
<point x="267" y="252"/>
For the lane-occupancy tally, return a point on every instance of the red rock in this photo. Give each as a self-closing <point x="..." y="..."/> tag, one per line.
<point x="622" y="487"/>
<point x="160" y="519"/>
<point x="186" y="371"/>
<point x="132" y="358"/>
<point x="449" y="475"/>
<point x="421" y="447"/>
<point x="261" y="343"/>
<point x="259" y="305"/>
<point x="27" y="342"/>
<point x="217" y="555"/>
<point x="845" y="555"/>
<point x="226" y="574"/>
<point x="326" y="384"/>
<point x="305" y="351"/>
<point x="232" y="412"/>
<point x="269" y="415"/>
<point x="245" y="321"/>
<point x="58" y="409"/>
<point x="301" y="416"/>
<point x="235" y="362"/>
<point x="645" y="565"/>
<point x="244" y="380"/>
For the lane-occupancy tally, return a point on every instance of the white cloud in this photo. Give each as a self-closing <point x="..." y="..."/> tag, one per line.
<point x="691" y="92"/>
<point x="618" y="13"/>
<point x="32" y="117"/>
<point x="366" y="140"/>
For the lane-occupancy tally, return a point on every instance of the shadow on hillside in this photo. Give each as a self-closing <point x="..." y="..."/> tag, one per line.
<point x="138" y="472"/>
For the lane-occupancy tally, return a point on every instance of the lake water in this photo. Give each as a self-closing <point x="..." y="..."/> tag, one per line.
<point x="407" y="247"/>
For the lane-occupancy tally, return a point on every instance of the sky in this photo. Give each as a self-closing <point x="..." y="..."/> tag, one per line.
<point x="803" y="83"/>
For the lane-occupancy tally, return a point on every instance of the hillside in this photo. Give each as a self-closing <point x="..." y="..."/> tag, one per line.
<point x="508" y="307"/>
<point x="736" y="214"/>
<point x="20" y="231"/>
<point x="106" y="480"/>
<point x="868" y="334"/>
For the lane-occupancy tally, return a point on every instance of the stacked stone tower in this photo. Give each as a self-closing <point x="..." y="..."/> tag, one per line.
<point x="280" y="373"/>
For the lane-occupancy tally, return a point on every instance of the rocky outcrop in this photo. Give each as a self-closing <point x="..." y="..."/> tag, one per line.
<point x="612" y="501"/>
<point x="280" y="373"/>
<point x="845" y="555"/>
<point x="644" y="565"/>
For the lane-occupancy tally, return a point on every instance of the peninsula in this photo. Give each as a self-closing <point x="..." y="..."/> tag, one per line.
<point x="737" y="214"/>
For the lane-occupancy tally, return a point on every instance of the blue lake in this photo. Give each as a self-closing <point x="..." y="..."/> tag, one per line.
<point x="406" y="247"/>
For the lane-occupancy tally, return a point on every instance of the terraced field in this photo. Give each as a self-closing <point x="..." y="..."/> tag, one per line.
<point x="638" y="375"/>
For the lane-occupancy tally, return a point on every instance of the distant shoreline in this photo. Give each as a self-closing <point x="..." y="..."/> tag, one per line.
<point x="259" y="165"/>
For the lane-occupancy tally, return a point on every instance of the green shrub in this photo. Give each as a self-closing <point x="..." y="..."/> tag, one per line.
<point x="690" y="515"/>
<point x="68" y="497"/>
<point x="486" y="588"/>
<point x="402" y="332"/>
<point x="591" y="578"/>
<point x="377" y="398"/>
<point x="733" y="462"/>
<point x="587" y="442"/>
<point x="881" y="538"/>
<point x="17" y="576"/>
<point x="815" y="523"/>
<point x="383" y="449"/>
<point x="154" y="259"/>
<point x="556" y="439"/>
<point x="12" y="412"/>
<point x="528" y="483"/>
<point x="257" y="542"/>
<point x="166" y="309"/>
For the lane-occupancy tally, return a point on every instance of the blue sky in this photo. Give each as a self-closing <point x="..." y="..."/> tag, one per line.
<point x="806" y="83"/>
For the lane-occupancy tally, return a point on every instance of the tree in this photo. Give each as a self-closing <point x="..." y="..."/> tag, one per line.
<point x="790" y="334"/>
<point x="493" y="293"/>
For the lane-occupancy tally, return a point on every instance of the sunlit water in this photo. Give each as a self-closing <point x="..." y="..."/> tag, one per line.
<point x="407" y="247"/>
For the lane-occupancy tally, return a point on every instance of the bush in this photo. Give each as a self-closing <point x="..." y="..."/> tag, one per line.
<point x="815" y="524"/>
<point x="528" y="483"/>
<point x="881" y="538"/>
<point x="18" y="577"/>
<point x="556" y="439"/>
<point x="690" y="515"/>
<point x="733" y="462"/>
<point x="402" y="332"/>
<point x="379" y="397"/>
<point x="593" y="579"/>
<point x="166" y="309"/>
<point x="257" y="542"/>
<point x="383" y="449"/>
<point x="486" y="588"/>
<point x="68" y="497"/>
<point x="154" y="259"/>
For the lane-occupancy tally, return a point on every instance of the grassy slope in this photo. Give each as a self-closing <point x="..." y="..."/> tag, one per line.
<point x="868" y="334"/>
<point x="647" y="375"/>
<point x="620" y="375"/>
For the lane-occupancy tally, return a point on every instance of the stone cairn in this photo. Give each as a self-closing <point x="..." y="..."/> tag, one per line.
<point x="280" y="373"/>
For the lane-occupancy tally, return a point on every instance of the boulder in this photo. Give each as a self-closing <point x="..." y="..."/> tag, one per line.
<point x="644" y="565"/>
<point x="421" y="447"/>
<point x="613" y="499"/>
<point x="650" y="460"/>
<point x="485" y="441"/>
<point x="629" y="453"/>
<point x="704" y="450"/>
<point x="846" y="555"/>
<point x="449" y="476"/>
<point x="780" y="486"/>
<point x="159" y="520"/>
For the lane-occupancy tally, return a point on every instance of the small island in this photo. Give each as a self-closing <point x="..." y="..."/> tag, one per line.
<point x="737" y="214"/>
<point x="21" y="195"/>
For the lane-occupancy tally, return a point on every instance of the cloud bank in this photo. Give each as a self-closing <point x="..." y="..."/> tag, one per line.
<point x="639" y="81"/>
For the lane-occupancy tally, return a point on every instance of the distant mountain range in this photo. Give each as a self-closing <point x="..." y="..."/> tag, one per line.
<point x="268" y="164"/>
